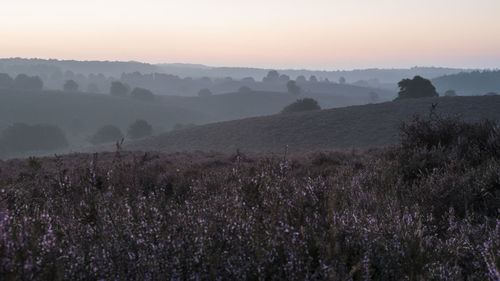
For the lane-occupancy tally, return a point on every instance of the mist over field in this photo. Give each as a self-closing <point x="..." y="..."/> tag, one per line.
<point x="249" y="140"/>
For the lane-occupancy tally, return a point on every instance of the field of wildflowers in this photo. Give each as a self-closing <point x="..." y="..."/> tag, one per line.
<point x="427" y="209"/>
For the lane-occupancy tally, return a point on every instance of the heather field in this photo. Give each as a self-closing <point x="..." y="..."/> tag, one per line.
<point x="424" y="209"/>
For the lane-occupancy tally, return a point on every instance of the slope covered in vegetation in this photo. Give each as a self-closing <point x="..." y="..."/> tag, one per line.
<point x="356" y="126"/>
<point x="426" y="209"/>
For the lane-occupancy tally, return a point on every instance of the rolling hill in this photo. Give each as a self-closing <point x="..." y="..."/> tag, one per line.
<point x="350" y="127"/>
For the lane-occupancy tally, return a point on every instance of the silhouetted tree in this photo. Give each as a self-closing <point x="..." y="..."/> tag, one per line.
<point x="108" y="133"/>
<point x="342" y="80"/>
<point x="21" y="137"/>
<point x="204" y="93"/>
<point x="450" y="93"/>
<point x="142" y="94"/>
<point x="5" y="81"/>
<point x="417" y="87"/>
<point x="139" y="129"/>
<point x="272" y="76"/>
<point x="248" y="80"/>
<point x="118" y="89"/>
<point x="70" y="86"/>
<point x="284" y="78"/>
<point x="244" y="90"/>
<point x="313" y="79"/>
<point x="301" y="79"/>
<point x="293" y="88"/>
<point x="25" y="82"/>
<point x="373" y="97"/>
<point x="305" y="104"/>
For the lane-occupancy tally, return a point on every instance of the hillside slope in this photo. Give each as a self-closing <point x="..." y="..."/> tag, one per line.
<point x="356" y="126"/>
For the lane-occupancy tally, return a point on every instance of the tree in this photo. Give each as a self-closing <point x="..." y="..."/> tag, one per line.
<point x="21" y="137"/>
<point x="293" y="88"/>
<point x="284" y="78"/>
<point x="244" y="90"/>
<point x="305" y="104"/>
<point x="70" y="86"/>
<point x="5" y="81"/>
<point x="139" y="129"/>
<point x="30" y="83"/>
<point x="417" y="87"/>
<point x="301" y="79"/>
<point x="373" y="97"/>
<point x="342" y="80"/>
<point x="142" y="94"/>
<point x="108" y="133"/>
<point x="450" y="93"/>
<point x="118" y="89"/>
<point x="272" y="76"/>
<point x="204" y="93"/>
<point x="313" y="79"/>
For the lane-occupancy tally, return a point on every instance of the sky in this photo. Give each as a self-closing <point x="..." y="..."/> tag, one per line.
<point x="300" y="34"/>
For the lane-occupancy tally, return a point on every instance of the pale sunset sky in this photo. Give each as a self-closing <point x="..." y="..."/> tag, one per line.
<point x="314" y="34"/>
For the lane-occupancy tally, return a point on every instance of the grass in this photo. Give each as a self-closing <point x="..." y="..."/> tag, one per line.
<point x="367" y="215"/>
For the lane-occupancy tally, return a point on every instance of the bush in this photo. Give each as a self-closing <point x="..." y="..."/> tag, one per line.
<point x="292" y="88"/>
<point x="450" y="93"/>
<point x="142" y="94"/>
<point x="139" y="129"/>
<point x="452" y="163"/>
<point x="5" y="81"/>
<point x="70" y="86"/>
<point x="108" y="133"/>
<point x="30" y="83"/>
<point x="204" y="93"/>
<point x="21" y="137"/>
<point x="305" y="104"/>
<point x="118" y="89"/>
<point x="244" y="90"/>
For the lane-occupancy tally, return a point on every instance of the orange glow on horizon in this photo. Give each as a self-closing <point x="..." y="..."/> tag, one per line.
<point x="332" y="34"/>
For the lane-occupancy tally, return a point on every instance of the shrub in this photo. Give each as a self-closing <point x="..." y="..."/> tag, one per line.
<point x="21" y="137"/>
<point x="108" y="133"/>
<point x="5" y="81"/>
<point x="450" y="93"/>
<point x="25" y="82"/>
<point x="204" y="93"/>
<point x="118" y="89"/>
<point x="452" y="163"/>
<point x="70" y="86"/>
<point x="292" y="88"/>
<point x="139" y="129"/>
<point x="142" y="94"/>
<point x="305" y="104"/>
<point x="244" y="90"/>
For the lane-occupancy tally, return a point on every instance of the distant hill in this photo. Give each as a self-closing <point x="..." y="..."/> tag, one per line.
<point x="469" y="83"/>
<point x="384" y="76"/>
<point x="340" y="128"/>
<point x="44" y="66"/>
<point x="239" y="105"/>
<point x="81" y="114"/>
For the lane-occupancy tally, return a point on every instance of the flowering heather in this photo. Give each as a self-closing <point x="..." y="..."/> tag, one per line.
<point x="427" y="209"/>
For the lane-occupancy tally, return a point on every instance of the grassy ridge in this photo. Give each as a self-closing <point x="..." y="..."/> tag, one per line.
<point x="356" y="126"/>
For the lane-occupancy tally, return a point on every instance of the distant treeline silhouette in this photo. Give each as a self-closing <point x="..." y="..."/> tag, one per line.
<point x="20" y="82"/>
<point x="470" y="83"/>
